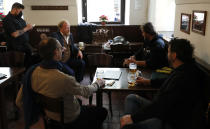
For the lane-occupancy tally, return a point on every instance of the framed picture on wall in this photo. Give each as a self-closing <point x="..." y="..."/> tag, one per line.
<point x="185" y="23"/>
<point x="199" y="22"/>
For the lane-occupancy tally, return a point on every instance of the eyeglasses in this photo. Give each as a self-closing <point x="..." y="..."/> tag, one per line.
<point x="61" y="48"/>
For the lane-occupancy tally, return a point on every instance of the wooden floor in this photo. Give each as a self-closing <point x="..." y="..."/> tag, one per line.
<point x="109" y="123"/>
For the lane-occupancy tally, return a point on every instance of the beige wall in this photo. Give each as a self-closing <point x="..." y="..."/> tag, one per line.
<point x="138" y="14"/>
<point x="200" y="42"/>
<point x="50" y="17"/>
<point x="162" y="14"/>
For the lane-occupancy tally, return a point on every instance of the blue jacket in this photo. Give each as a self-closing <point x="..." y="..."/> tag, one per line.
<point x="74" y="50"/>
<point x="31" y="109"/>
<point x="155" y="54"/>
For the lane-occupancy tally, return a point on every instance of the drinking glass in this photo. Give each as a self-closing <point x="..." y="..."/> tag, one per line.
<point x="81" y="45"/>
<point x="99" y="74"/>
<point x="132" y="67"/>
<point x="131" y="79"/>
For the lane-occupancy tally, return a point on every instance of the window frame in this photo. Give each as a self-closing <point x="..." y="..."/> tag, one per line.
<point x="122" y="13"/>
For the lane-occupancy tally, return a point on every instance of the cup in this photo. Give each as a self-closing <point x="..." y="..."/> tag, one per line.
<point x="132" y="68"/>
<point x="81" y="45"/>
<point x="131" y="79"/>
<point x="99" y="74"/>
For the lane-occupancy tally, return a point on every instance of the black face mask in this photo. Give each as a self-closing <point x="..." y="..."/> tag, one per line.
<point x="20" y="14"/>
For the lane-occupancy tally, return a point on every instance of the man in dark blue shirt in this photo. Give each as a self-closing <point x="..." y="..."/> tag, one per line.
<point x="154" y="55"/>
<point x="16" y="31"/>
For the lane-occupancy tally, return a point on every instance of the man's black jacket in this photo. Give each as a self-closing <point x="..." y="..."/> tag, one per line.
<point x="181" y="100"/>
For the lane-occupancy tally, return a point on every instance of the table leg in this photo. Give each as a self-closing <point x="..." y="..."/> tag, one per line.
<point x="3" y="115"/>
<point x="99" y="98"/>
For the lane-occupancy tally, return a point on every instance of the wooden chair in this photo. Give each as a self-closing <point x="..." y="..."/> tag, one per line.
<point x="55" y="105"/>
<point x="120" y="52"/>
<point x="90" y="48"/>
<point x="3" y="48"/>
<point x="100" y="60"/>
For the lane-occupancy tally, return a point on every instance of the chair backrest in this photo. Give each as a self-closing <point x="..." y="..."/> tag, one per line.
<point x="99" y="60"/>
<point x="90" y="49"/>
<point x="120" y="48"/>
<point x="55" y="105"/>
<point x="3" y="48"/>
<point x="12" y="59"/>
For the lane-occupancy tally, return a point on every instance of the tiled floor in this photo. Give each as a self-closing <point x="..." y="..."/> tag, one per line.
<point x="109" y="123"/>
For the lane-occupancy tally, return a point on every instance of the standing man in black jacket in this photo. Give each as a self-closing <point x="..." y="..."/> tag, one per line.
<point x="180" y="103"/>
<point x="154" y="55"/>
<point x="72" y="56"/>
<point x="16" y="30"/>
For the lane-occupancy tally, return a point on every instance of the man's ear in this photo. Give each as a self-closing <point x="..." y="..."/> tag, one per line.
<point x="173" y="55"/>
<point x="55" y="52"/>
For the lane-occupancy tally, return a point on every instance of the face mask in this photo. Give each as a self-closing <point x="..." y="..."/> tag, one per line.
<point x="20" y="15"/>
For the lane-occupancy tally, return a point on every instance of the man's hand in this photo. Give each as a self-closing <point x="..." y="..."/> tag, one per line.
<point x="100" y="83"/>
<point x="132" y="58"/>
<point x="143" y="81"/>
<point x="18" y="33"/>
<point x="3" y="43"/>
<point x="80" y="54"/>
<point x="129" y="60"/>
<point x="125" y="120"/>
<point x="28" y="27"/>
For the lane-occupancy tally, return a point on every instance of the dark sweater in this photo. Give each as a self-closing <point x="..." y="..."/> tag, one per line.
<point x="155" y="54"/>
<point x="180" y="102"/>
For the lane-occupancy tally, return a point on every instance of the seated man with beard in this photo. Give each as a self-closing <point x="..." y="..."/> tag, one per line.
<point x="180" y="103"/>
<point x="72" y="56"/>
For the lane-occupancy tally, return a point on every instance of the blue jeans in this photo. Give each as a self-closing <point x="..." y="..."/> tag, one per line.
<point x="132" y="104"/>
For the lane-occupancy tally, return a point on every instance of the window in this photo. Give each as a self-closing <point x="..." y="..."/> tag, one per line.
<point x="113" y="9"/>
<point x="1" y="6"/>
<point x="7" y="5"/>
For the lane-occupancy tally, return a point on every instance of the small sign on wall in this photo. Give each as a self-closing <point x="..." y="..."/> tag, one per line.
<point x="43" y="7"/>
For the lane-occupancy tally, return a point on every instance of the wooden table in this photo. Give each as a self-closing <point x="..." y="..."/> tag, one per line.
<point x="122" y="84"/>
<point x="12" y="75"/>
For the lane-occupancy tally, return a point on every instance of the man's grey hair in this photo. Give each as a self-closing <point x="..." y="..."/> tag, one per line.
<point x="60" y="24"/>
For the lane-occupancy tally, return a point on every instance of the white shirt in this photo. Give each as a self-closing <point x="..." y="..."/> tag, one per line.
<point x="66" y="37"/>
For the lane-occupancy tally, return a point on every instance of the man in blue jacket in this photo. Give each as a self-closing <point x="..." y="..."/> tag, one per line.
<point x="154" y="55"/>
<point x="72" y="56"/>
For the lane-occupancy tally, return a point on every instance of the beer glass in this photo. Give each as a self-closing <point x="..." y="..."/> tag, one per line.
<point x="132" y="74"/>
<point x="132" y="67"/>
<point x="99" y="74"/>
<point x="131" y="79"/>
<point x="81" y="45"/>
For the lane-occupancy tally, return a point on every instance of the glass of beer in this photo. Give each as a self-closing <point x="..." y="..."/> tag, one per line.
<point x="131" y="79"/>
<point x="132" y="67"/>
<point x="132" y="74"/>
<point x="99" y="74"/>
<point x="81" y="45"/>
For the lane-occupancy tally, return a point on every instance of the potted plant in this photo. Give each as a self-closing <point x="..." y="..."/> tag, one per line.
<point x="1" y="18"/>
<point x="103" y="19"/>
